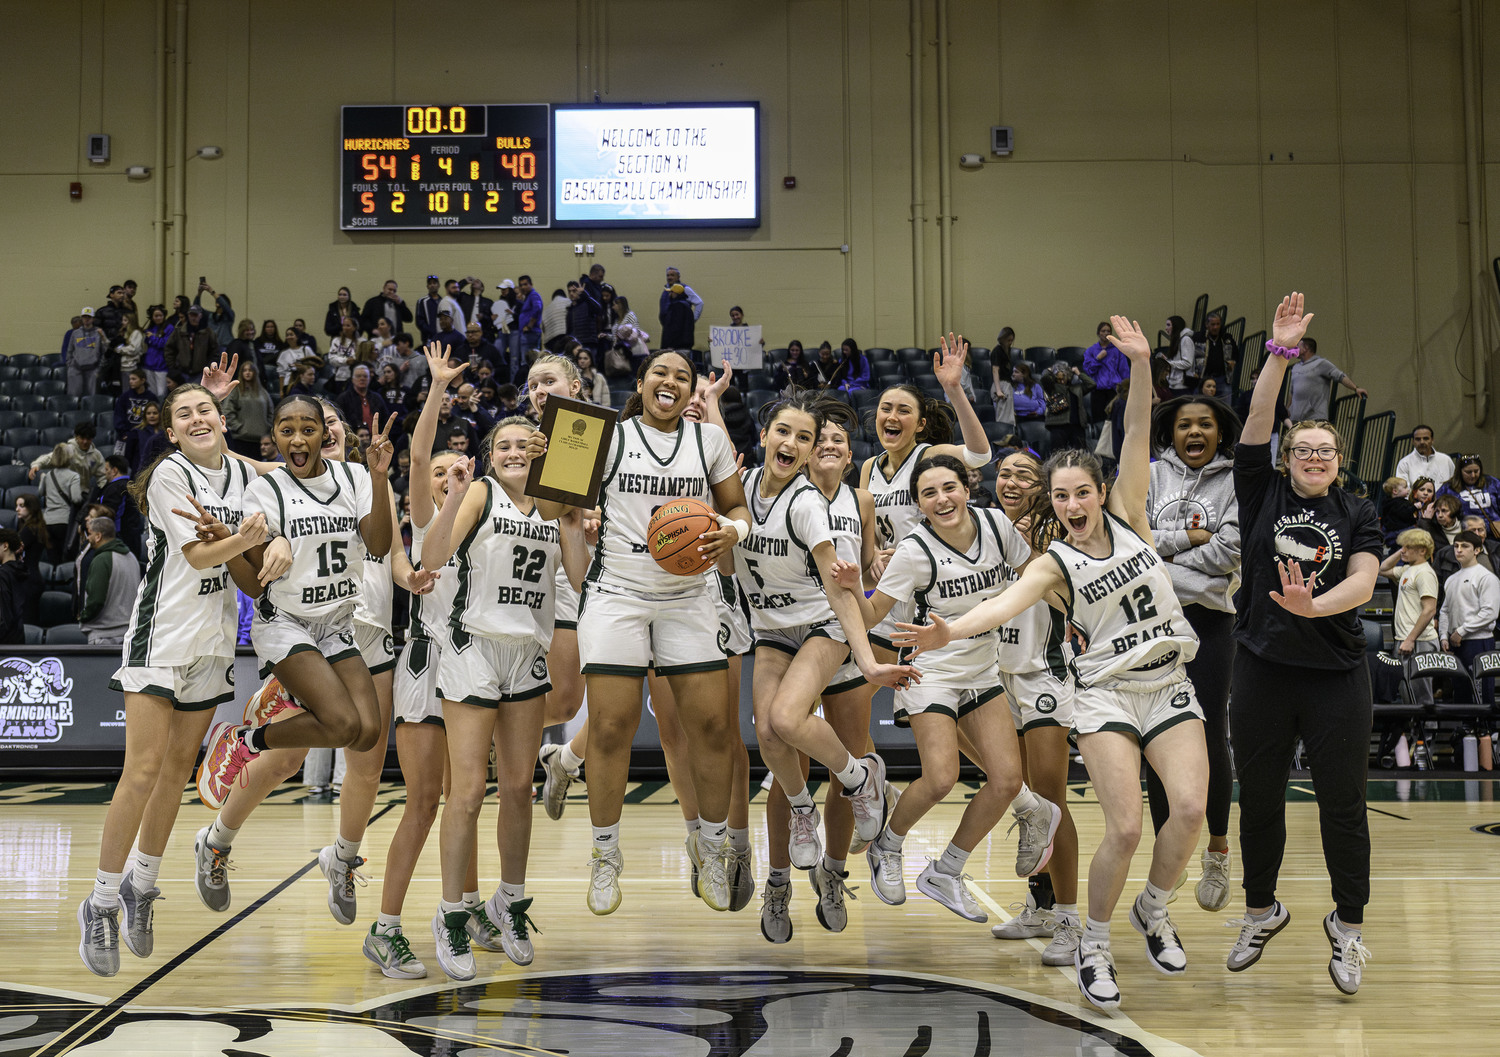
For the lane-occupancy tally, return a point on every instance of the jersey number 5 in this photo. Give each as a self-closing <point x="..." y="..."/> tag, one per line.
<point x="528" y="565"/>
<point x="331" y="560"/>
<point x="1145" y="605"/>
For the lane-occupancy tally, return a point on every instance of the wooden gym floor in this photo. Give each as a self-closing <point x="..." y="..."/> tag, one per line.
<point x="277" y="976"/>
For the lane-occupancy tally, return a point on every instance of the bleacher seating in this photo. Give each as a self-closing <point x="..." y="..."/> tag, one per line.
<point x="1374" y="463"/>
<point x="1348" y="416"/>
<point x="56" y="608"/>
<point x="65" y="635"/>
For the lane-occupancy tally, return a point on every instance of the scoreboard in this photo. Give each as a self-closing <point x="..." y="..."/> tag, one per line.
<point x="446" y="166"/>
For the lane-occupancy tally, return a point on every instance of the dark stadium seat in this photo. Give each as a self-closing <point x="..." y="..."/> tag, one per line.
<point x="8" y="519"/>
<point x="44" y="419"/>
<point x="61" y="575"/>
<point x="1072" y="355"/>
<point x="25" y="359"/>
<point x="28" y="453"/>
<point x="19" y="436"/>
<point x="33" y="635"/>
<point x="97" y="402"/>
<point x="56" y="608"/>
<point x="1041" y="356"/>
<point x="27" y="401"/>
<point x="50" y="387"/>
<point x="7" y="454"/>
<point x="55" y="435"/>
<point x="65" y="635"/>
<point x="13" y="476"/>
<point x="11" y="419"/>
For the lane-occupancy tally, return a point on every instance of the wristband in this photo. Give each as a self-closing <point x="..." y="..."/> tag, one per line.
<point x="974" y="460"/>
<point x="1282" y="351"/>
<point x="741" y="528"/>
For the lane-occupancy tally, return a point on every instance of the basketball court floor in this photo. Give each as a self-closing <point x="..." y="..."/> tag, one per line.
<point x="277" y="976"/>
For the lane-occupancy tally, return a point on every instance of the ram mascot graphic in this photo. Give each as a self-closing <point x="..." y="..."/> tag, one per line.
<point x="36" y="700"/>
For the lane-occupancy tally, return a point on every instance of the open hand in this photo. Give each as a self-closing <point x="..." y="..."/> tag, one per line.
<point x="439" y="367"/>
<point x="717" y="383"/>
<point x="1296" y="594"/>
<point x="1291" y="322"/>
<point x="948" y="362"/>
<point x="896" y="676"/>
<point x="922" y="638"/>
<point x="219" y="379"/>
<point x="1128" y="337"/>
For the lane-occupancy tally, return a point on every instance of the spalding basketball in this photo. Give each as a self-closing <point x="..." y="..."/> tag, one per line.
<point x="672" y="536"/>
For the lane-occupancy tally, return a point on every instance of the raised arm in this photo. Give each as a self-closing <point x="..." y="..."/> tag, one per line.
<point x="575" y="548"/>
<point x="1287" y="330"/>
<point x="948" y="363"/>
<point x="457" y="518"/>
<point x="378" y="527"/>
<point x="1127" y="499"/>
<point x="1040" y="579"/>
<point x="426" y="431"/>
<point x="852" y="609"/>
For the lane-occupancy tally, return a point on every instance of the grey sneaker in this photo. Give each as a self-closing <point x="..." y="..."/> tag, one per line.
<point x="868" y="801"/>
<point x="1346" y="967"/>
<point x="1254" y="935"/>
<point x="1213" y="886"/>
<point x="99" y="938"/>
<point x="556" y="781"/>
<point x="342" y="875"/>
<point x="1066" y="932"/>
<point x="453" y="951"/>
<point x="887" y="874"/>
<point x="1038" y="827"/>
<point x="1028" y="924"/>
<point x="741" y="879"/>
<point x="392" y="953"/>
<point x="210" y="874"/>
<point x="775" y="921"/>
<point x="830" y="888"/>
<point x="804" y="846"/>
<point x="516" y="928"/>
<point x="856" y="843"/>
<point x="137" y="908"/>
<point x="951" y="891"/>
<point x="483" y="932"/>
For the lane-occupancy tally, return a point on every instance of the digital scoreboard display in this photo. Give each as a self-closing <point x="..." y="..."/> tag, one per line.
<point x="446" y="166"/>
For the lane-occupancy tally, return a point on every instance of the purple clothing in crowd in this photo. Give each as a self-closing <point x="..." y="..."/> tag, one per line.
<point x="1033" y="404"/>
<point x="156" y="347"/>
<point x="529" y="318"/>
<point x="1108" y="372"/>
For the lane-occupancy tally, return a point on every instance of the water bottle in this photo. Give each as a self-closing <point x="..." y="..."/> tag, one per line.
<point x="1486" y="754"/>
<point x="1471" y="753"/>
<point x="1403" y="754"/>
<point x="1421" y="756"/>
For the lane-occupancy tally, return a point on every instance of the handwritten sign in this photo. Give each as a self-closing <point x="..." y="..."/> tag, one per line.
<point x="739" y="345"/>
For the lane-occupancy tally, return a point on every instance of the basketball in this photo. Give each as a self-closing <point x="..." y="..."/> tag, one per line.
<point x="672" y="536"/>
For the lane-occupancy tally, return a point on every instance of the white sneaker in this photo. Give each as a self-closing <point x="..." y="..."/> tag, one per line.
<point x="392" y="953"/>
<point x="1213" y="886"/>
<point x="713" y="872"/>
<point x="831" y="890"/>
<point x="775" y="920"/>
<point x="1163" y="948"/>
<point x="1346" y="967"/>
<point x="604" y="880"/>
<point x="951" y="891"/>
<point x="555" y="782"/>
<point x="805" y="847"/>
<point x="1176" y="888"/>
<point x="741" y="878"/>
<point x="868" y="801"/>
<point x="1096" y="974"/>
<point x="1067" y="931"/>
<point x="453" y="951"/>
<point x="1028" y="924"/>
<point x="516" y="927"/>
<point x="1038" y="827"/>
<point x="483" y="932"/>
<point x="857" y="843"/>
<point x="1254" y="935"/>
<point x="887" y="874"/>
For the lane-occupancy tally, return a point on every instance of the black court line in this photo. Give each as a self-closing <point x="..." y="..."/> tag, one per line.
<point x="105" y="1014"/>
<point x="1391" y="814"/>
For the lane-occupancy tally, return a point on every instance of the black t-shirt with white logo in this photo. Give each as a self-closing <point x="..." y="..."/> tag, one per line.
<point x="1276" y="524"/>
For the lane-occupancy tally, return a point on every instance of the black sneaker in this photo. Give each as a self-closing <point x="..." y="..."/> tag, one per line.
<point x="1346" y="967"/>
<point x="1096" y="974"/>
<point x="1254" y="935"/>
<point x="1163" y="947"/>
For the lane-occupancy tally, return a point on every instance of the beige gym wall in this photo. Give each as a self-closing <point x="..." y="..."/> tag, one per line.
<point x="1164" y="148"/>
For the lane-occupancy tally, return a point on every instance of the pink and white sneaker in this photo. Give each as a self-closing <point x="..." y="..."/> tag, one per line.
<point x="268" y="702"/>
<point x="225" y="761"/>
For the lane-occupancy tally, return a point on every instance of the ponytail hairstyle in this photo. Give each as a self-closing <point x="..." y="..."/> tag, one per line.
<point x="810" y="402"/>
<point x="138" y="486"/>
<point x="939" y="462"/>
<point x="937" y="417"/>
<point x="634" y="405"/>
<point x="351" y="438"/>
<point x="1045" y="524"/>
<point x="493" y="435"/>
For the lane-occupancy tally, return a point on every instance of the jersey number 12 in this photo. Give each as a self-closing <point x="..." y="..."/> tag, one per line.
<point x="1145" y="605"/>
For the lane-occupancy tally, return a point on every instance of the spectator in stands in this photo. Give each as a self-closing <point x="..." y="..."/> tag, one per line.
<point x="60" y="489"/>
<point x="359" y="404"/>
<point x="220" y="319"/>
<point x="1064" y="387"/>
<point x="388" y="385"/>
<point x="143" y="442"/>
<point x="1397" y="512"/>
<point x="111" y="314"/>
<point x="411" y="366"/>
<point x="12" y="590"/>
<point x="306" y="381"/>
<point x="1423" y="492"/>
<point x="82" y="455"/>
<point x="191" y="348"/>
<point x="127" y="516"/>
<point x="477" y="351"/>
<point x="1308" y="391"/>
<point x="385" y="305"/>
<point x="823" y="370"/>
<point x="1471" y="603"/>
<point x="489" y="401"/>
<point x="342" y="307"/>
<point x="1489" y="549"/>
<point x="1219" y="353"/>
<point x="1242" y="402"/>
<point x="1447" y="520"/>
<point x="528" y="324"/>
<point x="1424" y="460"/>
<point x="494" y="317"/>
<point x="1181" y="356"/>
<point x="1004" y="395"/>
<point x="309" y="341"/>
<point x="584" y="305"/>
<point x="1477" y="493"/>
<point x="457" y="438"/>
<point x="451" y="291"/>
<point x="383" y="343"/>
<point x="466" y="408"/>
<point x="1210" y="387"/>
<point x="1106" y="365"/>
<point x="290" y="358"/>
<point x="109" y="591"/>
<point x="622" y="312"/>
<point x="130" y="288"/>
<point x="243" y="345"/>
<point x="427" y="309"/>
<point x="555" y="321"/>
<point x="595" y="389"/>
<point x="854" y="367"/>
<point x="269" y="345"/>
<point x="268" y="450"/>
<point x="1031" y="409"/>
<point x="35" y="540"/>
<point x="130" y="348"/>
<point x="793" y="369"/>
<point x="130" y="404"/>
<point x="677" y="320"/>
<point x="343" y="350"/>
<point x="1446" y="559"/>
<point x="674" y="278"/>
<point x="83" y="351"/>
<point x="446" y="335"/>
<point x="1416" y="603"/>
<point x="979" y="494"/>
<point x="510" y="400"/>
<point x="178" y="316"/>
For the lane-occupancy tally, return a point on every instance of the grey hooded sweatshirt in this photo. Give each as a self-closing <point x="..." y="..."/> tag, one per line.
<point x="1181" y="499"/>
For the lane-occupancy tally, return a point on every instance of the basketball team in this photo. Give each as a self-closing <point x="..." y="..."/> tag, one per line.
<point x="1102" y="611"/>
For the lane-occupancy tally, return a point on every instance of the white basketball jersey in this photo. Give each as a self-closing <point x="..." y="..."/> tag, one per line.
<point x="774" y="563"/>
<point x="506" y="573"/>
<point x="182" y="613"/>
<point x="1034" y="641"/>
<point x="320" y="518"/>
<point x="896" y="510"/>
<point x="847" y="525"/>
<point x="429" y="612"/>
<point x="647" y="470"/>
<point x="376" y="590"/>
<point x="949" y="583"/>
<point x="1126" y="608"/>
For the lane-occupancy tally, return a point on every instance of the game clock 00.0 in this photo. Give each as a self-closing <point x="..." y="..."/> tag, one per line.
<point x="455" y="166"/>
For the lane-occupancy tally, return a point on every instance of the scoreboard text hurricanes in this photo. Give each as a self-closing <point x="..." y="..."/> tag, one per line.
<point x="421" y="166"/>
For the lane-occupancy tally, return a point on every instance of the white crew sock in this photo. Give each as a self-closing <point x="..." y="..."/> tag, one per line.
<point x="385" y="924"/>
<point x="739" y="839"/>
<point x="1154" y="900"/>
<point x="713" y="834"/>
<point x="220" y="835"/>
<point x="606" y="837"/>
<point x="570" y="760"/>
<point x="450" y="908"/>
<point x="853" y="774"/>
<point x="801" y="801"/>
<point x="472" y="899"/>
<point x="348" y="850"/>
<point x="691" y="824"/>
<point x="106" y="889"/>
<point x="1025" y="802"/>
<point x="145" y="870"/>
<point x="952" y="860"/>
<point x="1066" y="912"/>
<point x="779" y="875"/>
<point x="889" y="840"/>
<point x="510" y="893"/>
<point x="1095" y="931"/>
<point x="835" y="866"/>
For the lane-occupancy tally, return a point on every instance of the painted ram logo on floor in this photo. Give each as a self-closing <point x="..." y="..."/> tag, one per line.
<point x="36" y="702"/>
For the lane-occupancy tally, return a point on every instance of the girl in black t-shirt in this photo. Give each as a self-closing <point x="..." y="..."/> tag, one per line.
<point x="1310" y="556"/>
